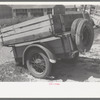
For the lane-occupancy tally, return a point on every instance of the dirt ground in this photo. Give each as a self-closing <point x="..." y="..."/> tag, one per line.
<point x="87" y="68"/>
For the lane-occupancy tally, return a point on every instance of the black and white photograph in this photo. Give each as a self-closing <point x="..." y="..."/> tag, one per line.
<point x="50" y="43"/>
<point x="49" y="49"/>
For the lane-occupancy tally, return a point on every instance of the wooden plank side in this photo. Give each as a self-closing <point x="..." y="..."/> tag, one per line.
<point x="9" y="28"/>
<point x="32" y="27"/>
<point x="25" y="23"/>
<point x="33" y="32"/>
<point x="12" y="32"/>
<point x="32" y="21"/>
<point x="29" y="28"/>
<point x="28" y="38"/>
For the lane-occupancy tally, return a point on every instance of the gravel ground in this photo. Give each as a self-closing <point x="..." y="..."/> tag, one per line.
<point x="87" y="69"/>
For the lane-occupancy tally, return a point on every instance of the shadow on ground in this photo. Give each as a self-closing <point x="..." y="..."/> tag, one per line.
<point x="80" y="71"/>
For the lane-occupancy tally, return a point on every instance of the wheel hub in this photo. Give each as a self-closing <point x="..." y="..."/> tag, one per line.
<point x="38" y="63"/>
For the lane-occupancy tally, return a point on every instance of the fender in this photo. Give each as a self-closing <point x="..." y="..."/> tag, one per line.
<point x="50" y="55"/>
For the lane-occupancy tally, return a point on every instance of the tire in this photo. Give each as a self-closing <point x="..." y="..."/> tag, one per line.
<point x="84" y="36"/>
<point x="74" y="27"/>
<point x="38" y="63"/>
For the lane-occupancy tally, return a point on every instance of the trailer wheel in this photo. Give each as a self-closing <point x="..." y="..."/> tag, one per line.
<point x="84" y="36"/>
<point x="38" y="63"/>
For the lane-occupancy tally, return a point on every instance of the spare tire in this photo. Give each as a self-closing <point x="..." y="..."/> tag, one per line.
<point x="74" y="27"/>
<point x="84" y="36"/>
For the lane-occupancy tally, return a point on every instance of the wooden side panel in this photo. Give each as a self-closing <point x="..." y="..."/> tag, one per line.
<point x="56" y="46"/>
<point x="33" y="21"/>
<point x="9" y="33"/>
<point x="28" y="36"/>
<point x="7" y="29"/>
<point x="27" y="28"/>
<point x="29" y="22"/>
<point x="33" y="27"/>
<point x="28" y="31"/>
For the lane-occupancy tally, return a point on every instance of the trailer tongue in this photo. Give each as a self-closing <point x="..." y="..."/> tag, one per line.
<point x="39" y="42"/>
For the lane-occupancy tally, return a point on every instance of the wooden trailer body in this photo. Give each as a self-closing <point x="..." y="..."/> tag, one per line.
<point x="46" y="30"/>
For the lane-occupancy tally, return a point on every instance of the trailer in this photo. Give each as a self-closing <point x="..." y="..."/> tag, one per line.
<point x="38" y="43"/>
